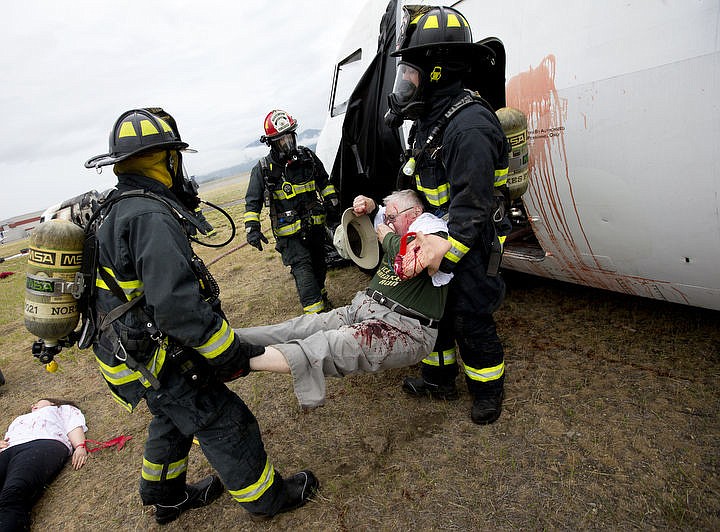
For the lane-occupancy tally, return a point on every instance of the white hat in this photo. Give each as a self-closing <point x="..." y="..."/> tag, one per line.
<point x="355" y="239"/>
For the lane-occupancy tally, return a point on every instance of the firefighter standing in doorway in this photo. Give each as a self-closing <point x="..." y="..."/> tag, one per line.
<point x="292" y="182"/>
<point x="159" y="334"/>
<point x="460" y="157"/>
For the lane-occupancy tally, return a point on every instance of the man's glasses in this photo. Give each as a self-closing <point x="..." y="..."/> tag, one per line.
<point x="390" y="218"/>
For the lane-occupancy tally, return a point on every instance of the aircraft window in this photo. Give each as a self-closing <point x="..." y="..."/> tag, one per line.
<point x="347" y="74"/>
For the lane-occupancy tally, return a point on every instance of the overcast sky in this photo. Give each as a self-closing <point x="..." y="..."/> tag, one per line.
<point x="71" y="68"/>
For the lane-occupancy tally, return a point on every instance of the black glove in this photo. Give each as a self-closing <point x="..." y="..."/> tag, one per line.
<point x="332" y="211"/>
<point x="255" y="237"/>
<point x="236" y="363"/>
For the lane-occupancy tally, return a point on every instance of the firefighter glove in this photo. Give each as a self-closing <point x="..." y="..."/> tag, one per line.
<point x="332" y="211"/>
<point x="255" y="237"/>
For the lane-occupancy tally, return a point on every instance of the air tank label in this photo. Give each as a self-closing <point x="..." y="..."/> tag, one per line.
<point x="40" y="286"/>
<point x="43" y="310"/>
<point x="57" y="259"/>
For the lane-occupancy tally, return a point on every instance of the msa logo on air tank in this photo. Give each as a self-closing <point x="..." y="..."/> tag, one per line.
<point x="41" y="257"/>
<point x="50" y="257"/>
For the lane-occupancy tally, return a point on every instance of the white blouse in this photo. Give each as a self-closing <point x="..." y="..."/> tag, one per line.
<point x="47" y="423"/>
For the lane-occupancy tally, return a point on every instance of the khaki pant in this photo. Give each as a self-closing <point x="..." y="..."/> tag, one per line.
<point x="362" y="337"/>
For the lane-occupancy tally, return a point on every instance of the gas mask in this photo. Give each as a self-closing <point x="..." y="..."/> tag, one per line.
<point x="284" y="147"/>
<point x="406" y="99"/>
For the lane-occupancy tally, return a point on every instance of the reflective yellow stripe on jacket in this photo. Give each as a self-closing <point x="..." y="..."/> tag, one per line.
<point x="289" y="190"/>
<point x="218" y="342"/>
<point x="327" y="191"/>
<point x="437" y="197"/>
<point x="131" y="289"/>
<point x="251" y="216"/>
<point x="122" y="374"/>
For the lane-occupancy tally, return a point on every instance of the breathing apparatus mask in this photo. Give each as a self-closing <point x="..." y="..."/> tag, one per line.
<point x="284" y="148"/>
<point x="406" y="100"/>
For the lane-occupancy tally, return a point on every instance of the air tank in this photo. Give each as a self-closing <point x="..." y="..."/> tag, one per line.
<point x="55" y="255"/>
<point x="514" y="124"/>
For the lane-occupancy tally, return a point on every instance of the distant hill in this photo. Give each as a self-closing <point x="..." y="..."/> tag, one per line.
<point x="307" y="138"/>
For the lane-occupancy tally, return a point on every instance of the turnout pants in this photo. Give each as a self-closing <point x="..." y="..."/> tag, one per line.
<point x="468" y="323"/>
<point x="306" y="258"/>
<point x="363" y="337"/>
<point x="25" y="469"/>
<point x="229" y="437"/>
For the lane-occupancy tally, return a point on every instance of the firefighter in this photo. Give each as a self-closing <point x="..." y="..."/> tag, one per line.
<point x="292" y="182"/>
<point x="459" y="153"/>
<point x="162" y="336"/>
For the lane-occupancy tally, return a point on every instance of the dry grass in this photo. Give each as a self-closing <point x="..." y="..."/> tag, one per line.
<point x="610" y="420"/>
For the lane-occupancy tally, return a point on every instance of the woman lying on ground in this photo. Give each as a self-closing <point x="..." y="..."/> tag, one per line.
<point x="35" y="448"/>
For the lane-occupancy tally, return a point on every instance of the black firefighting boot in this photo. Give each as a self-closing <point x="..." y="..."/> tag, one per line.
<point x="197" y="495"/>
<point x="486" y="409"/>
<point x="299" y="489"/>
<point x="419" y="387"/>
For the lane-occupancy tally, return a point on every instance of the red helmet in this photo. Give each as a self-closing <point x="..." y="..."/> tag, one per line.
<point x="278" y="123"/>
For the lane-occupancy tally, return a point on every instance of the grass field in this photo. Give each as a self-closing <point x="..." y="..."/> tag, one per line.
<point x="610" y="419"/>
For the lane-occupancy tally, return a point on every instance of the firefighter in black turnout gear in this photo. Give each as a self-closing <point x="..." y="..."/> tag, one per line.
<point x="161" y="335"/>
<point x="293" y="184"/>
<point x="458" y="163"/>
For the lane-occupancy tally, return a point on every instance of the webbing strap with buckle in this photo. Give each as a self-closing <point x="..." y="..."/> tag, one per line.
<point x="401" y="309"/>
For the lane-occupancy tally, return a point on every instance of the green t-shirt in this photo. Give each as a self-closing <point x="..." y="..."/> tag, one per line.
<point x="417" y="293"/>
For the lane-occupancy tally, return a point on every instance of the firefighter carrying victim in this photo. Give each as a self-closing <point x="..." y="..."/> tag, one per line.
<point x="162" y="336"/>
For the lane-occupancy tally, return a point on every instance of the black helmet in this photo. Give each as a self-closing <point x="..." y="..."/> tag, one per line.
<point x="136" y="131"/>
<point x="436" y="49"/>
<point x="433" y="27"/>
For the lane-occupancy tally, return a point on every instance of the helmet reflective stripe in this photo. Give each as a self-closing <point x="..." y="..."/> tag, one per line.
<point x="126" y="130"/>
<point x="256" y="490"/>
<point x="485" y="374"/>
<point x="154" y="472"/>
<point x="218" y="342"/>
<point x="447" y="357"/>
<point x="454" y="22"/>
<point x="431" y="23"/>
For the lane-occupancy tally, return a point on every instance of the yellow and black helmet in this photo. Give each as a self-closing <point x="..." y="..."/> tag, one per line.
<point x="427" y="30"/>
<point x="136" y="131"/>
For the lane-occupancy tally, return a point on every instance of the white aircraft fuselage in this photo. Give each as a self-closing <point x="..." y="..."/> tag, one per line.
<point x="621" y="99"/>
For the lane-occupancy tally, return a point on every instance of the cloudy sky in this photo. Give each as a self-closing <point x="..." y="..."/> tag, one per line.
<point x="71" y="68"/>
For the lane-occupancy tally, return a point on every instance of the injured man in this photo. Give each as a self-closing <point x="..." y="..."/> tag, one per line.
<point x="392" y="324"/>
